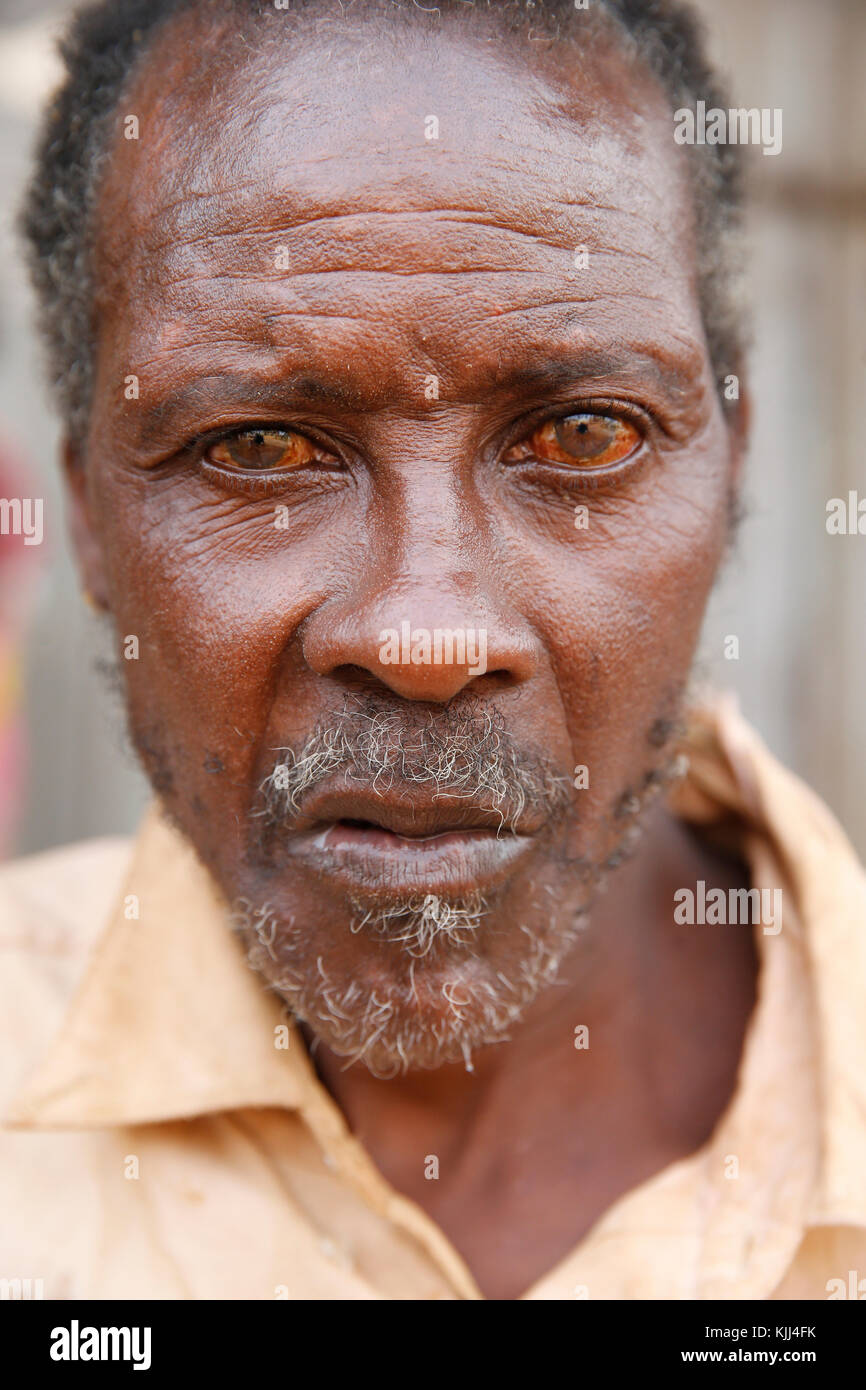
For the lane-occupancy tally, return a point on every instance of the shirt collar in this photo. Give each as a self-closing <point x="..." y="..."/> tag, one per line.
<point x="170" y="1022"/>
<point x="783" y="824"/>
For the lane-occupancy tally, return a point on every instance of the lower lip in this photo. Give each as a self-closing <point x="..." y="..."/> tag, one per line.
<point x="370" y="859"/>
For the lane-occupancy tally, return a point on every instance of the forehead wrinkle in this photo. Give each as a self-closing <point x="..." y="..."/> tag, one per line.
<point x="554" y="317"/>
<point x="226" y="206"/>
<point x="440" y="220"/>
<point x="597" y="301"/>
<point x="291" y="212"/>
<point x="548" y="102"/>
<point x="368" y="240"/>
<point x="235" y="264"/>
<point x="423" y="252"/>
<point x="515" y="205"/>
<point x="287" y="204"/>
<point x="553" y="219"/>
<point x="260" y="318"/>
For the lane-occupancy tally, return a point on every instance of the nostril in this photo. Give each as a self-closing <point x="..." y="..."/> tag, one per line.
<point x="500" y="677"/>
<point x="350" y="674"/>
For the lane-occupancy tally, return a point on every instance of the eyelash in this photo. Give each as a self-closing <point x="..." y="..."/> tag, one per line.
<point x="269" y="485"/>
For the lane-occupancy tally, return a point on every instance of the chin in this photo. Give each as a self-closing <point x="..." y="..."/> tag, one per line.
<point x="416" y="984"/>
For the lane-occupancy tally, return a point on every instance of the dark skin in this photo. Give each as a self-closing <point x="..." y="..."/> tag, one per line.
<point x="410" y="258"/>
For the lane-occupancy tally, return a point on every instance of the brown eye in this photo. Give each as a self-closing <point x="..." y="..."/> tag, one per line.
<point x="257" y="451"/>
<point x="587" y="440"/>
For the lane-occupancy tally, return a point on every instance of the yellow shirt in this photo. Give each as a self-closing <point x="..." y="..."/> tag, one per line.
<point x="159" y="1145"/>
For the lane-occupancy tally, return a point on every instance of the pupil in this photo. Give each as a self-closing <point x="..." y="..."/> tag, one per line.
<point x="258" y="437"/>
<point x="582" y="427"/>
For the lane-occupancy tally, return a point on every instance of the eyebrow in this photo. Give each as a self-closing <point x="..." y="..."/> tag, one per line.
<point x="159" y="423"/>
<point x="563" y="369"/>
<point x="242" y="390"/>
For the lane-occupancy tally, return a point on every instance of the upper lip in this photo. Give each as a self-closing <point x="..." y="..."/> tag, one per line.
<point x="410" y="812"/>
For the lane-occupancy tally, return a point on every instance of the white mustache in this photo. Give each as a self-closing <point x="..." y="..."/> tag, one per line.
<point x="460" y="755"/>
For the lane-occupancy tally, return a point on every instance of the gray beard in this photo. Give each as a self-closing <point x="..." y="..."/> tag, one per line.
<point x="441" y="998"/>
<point x="403" y="1025"/>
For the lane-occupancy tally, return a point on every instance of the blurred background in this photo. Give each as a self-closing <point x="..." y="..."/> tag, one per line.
<point x="794" y="596"/>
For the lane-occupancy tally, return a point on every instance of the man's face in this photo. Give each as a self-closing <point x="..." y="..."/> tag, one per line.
<point x="456" y="383"/>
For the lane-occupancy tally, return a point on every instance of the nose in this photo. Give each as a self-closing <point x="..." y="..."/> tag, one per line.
<point x="426" y="656"/>
<point x="421" y="622"/>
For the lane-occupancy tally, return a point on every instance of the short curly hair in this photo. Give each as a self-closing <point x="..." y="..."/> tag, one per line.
<point x="106" y="42"/>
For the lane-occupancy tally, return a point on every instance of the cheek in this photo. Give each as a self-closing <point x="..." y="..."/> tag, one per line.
<point x="620" y="606"/>
<point x="213" y="594"/>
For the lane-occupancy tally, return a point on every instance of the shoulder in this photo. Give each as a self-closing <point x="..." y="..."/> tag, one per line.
<point x="54" y="903"/>
<point x="53" y="907"/>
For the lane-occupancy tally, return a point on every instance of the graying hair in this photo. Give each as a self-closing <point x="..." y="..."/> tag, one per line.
<point x="388" y="1034"/>
<point x="460" y="751"/>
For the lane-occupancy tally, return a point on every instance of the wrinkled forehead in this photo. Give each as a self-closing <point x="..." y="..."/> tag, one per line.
<point x="338" y="120"/>
<point x="332" y="155"/>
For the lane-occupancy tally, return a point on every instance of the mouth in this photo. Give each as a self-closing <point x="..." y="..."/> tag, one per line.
<point x="393" y="846"/>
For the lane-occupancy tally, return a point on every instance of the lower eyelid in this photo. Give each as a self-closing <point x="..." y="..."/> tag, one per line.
<point x="264" y="484"/>
<point x="594" y="475"/>
<point x="239" y="479"/>
<point x="576" y="467"/>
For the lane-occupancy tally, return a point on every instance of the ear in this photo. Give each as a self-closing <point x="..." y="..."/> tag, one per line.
<point x="85" y="543"/>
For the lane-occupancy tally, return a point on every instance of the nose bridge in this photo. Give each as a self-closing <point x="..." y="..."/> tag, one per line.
<point x="425" y="618"/>
<point x="438" y="536"/>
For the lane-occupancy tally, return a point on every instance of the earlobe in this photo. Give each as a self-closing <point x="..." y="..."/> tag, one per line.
<point x="85" y="542"/>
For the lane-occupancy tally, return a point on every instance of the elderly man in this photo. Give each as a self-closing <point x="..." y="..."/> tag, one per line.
<point x="460" y="955"/>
